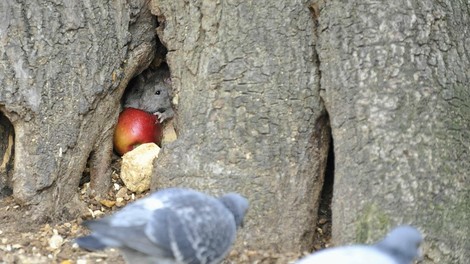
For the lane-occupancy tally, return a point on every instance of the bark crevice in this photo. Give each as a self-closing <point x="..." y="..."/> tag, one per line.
<point x="7" y="152"/>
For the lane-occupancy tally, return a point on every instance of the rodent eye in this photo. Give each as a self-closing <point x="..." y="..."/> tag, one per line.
<point x="157" y="92"/>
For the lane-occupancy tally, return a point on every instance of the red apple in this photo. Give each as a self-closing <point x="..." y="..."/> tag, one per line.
<point x="136" y="127"/>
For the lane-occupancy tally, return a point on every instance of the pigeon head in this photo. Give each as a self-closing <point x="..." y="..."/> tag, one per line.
<point x="236" y="204"/>
<point x="403" y="243"/>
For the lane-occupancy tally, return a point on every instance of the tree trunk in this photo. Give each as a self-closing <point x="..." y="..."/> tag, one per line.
<point x="395" y="78"/>
<point x="63" y="69"/>
<point x="250" y="118"/>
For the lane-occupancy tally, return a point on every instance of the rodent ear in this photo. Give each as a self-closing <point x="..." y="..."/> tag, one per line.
<point x="167" y="80"/>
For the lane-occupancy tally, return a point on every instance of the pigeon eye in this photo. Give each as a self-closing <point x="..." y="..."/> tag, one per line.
<point x="157" y="92"/>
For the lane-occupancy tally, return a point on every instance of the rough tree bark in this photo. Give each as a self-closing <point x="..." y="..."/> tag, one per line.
<point x="395" y="78"/>
<point x="250" y="118"/>
<point x="63" y="69"/>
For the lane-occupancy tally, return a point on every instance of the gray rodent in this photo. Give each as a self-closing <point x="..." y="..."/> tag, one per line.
<point x="150" y="91"/>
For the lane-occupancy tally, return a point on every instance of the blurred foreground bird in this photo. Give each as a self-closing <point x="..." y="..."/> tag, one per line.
<point x="400" y="246"/>
<point x="174" y="225"/>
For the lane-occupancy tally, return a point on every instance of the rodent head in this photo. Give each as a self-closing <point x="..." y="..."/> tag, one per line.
<point x="156" y="96"/>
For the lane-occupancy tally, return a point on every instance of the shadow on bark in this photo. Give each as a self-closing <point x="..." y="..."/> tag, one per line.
<point x="7" y="151"/>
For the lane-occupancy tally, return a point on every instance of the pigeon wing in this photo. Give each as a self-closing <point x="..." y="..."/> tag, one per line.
<point x="216" y="232"/>
<point x="202" y="229"/>
<point x="166" y="230"/>
<point x="132" y="237"/>
<point x="197" y="229"/>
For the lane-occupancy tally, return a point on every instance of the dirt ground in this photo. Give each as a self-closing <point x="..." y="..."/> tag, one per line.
<point x="24" y="243"/>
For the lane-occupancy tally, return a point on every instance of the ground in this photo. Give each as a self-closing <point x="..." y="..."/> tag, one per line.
<point x="23" y="243"/>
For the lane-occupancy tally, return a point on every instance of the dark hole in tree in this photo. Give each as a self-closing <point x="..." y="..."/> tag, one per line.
<point x="7" y="149"/>
<point x="86" y="173"/>
<point x="159" y="61"/>
<point x="324" y="222"/>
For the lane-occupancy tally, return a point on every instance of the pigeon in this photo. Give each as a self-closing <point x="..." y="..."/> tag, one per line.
<point x="174" y="225"/>
<point x="400" y="246"/>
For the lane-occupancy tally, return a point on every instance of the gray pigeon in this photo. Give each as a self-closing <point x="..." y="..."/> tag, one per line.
<point x="400" y="246"/>
<point x="174" y="225"/>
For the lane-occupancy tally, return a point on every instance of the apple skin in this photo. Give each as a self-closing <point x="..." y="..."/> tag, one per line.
<point x="136" y="127"/>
